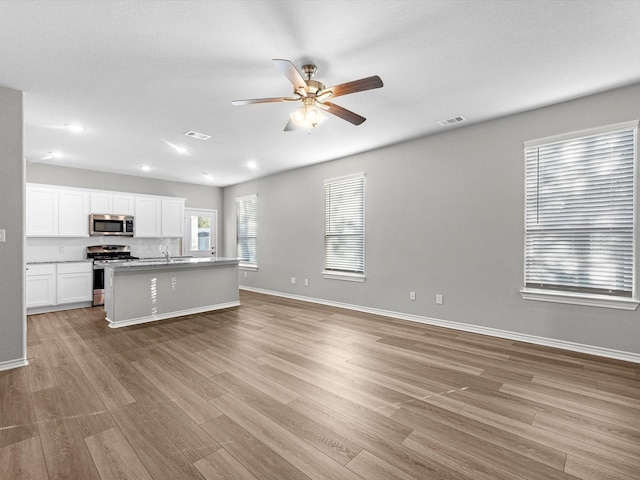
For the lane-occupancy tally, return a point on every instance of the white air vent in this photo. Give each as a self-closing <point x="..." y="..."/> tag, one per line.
<point x="451" y="121"/>
<point x="199" y="136"/>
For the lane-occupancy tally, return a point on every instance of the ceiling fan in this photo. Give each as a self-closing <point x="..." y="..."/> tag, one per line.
<point x="314" y="96"/>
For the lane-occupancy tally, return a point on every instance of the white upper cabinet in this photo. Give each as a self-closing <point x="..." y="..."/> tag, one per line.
<point x="172" y="217"/>
<point x="112" y="203"/>
<point x="64" y="211"/>
<point x="42" y="211"/>
<point x="73" y="213"/>
<point x="54" y="212"/>
<point x="123" y="204"/>
<point x="148" y="217"/>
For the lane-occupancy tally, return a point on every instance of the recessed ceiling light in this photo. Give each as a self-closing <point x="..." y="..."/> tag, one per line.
<point x="208" y="176"/>
<point x="72" y="127"/>
<point x="56" y="155"/>
<point x="144" y="168"/>
<point x="180" y="150"/>
<point x="252" y="165"/>
<point x="199" y="136"/>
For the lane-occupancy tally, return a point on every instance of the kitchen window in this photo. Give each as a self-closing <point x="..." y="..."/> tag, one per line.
<point x="344" y="228"/>
<point x="247" y="231"/>
<point x="580" y="217"/>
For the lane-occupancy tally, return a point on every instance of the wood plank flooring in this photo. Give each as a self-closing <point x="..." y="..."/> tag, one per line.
<point x="285" y="390"/>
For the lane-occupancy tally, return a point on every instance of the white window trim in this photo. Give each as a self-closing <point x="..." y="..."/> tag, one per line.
<point x="590" y="300"/>
<point x="345" y="276"/>
<point x="244" y="265"/>
<point x="603" y="301"/>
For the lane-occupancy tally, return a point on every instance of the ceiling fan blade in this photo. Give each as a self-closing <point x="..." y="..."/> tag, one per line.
<point x="264" y="100"/>
<point x="291" y="72"/>
<point x="343" y="113"/>
<point x="290" y="126"/>
<point x="361" y="85"/>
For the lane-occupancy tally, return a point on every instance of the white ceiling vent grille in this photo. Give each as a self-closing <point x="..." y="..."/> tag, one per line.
<point x="451" y="121"/>
<point x="199" y="136"/>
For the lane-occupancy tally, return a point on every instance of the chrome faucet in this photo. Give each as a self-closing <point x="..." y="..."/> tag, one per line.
<point x="166" y="254"/>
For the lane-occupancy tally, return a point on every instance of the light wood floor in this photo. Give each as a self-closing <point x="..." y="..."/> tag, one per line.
<point x="284" y="390"/>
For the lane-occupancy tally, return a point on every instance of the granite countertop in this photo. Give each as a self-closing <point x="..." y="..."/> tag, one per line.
<point x="60" y="261"/>
<point x="176" y="262"/>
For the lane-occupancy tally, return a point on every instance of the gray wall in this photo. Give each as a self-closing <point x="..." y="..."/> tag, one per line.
<point x="444" y="215"/>
<point x="12" y="275"/>
<point x="198" y="196"/>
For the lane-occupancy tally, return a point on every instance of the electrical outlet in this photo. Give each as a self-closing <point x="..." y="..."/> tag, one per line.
<point x="245" y="274"/>
<point x="306" y="282"/>
<point x="439" y="299"/>
<point x="412" y="295"/>
<point x="293" y="280"/>
<point x="3" y="236"/>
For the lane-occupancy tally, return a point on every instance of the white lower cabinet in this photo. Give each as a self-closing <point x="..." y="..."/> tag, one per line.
<point x="51" y="285"/>
<point x="74" y="282"/>
<point x="41" y="285"/>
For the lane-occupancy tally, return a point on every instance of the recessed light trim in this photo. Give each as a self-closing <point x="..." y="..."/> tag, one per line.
<point x="144" y="168"/>
<point x="73" y="127"/>
<point x="56" y="155"/>
<point x="252" y="165"/>
<point x="199" y="136"/>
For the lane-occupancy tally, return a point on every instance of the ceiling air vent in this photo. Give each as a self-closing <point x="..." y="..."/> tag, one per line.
<point x="199" y="136"/>
<point x="451" y="121"/>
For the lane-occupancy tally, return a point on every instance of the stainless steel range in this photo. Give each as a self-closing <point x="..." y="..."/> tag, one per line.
<point x="103" y="255"/>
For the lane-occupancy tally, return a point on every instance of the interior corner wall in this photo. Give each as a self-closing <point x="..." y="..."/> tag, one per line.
<point x="12" y="273"/>
<point x="444" y="215"/>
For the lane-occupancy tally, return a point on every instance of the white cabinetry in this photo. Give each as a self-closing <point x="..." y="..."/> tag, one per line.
<point x="53" y="212"/>
<point x="64" y="212"/>
<point x="55" y="286"/>
<point x="74" y="282"/>
<point x="172" y="217"/>
<point x="41" y="285"/>
<point x="112" y="203"/>
<point x="42" y="211"/>
<point x="73" y="213"/>
<point x="148" y="217"/>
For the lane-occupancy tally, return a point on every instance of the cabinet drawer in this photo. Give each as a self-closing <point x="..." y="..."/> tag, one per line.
<point x="80" y="267"/>
<point x="41" y="269"/>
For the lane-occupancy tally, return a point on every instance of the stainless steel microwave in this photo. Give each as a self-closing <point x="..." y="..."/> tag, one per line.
<point x="100" y="224"/>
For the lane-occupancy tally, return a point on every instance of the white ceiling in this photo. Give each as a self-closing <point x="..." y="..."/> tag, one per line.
<point x="138" y="74"/>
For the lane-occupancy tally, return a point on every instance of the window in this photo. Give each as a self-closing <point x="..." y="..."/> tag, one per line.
<point x="247" y="230"/>
<point x="344" y="228"/>
<point x="579" y="217"/>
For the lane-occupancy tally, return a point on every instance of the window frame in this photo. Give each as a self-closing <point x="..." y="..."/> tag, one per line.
<point x="334" y="273"/>
<point x="242" y="264"/>
<point x="567" y="295"/>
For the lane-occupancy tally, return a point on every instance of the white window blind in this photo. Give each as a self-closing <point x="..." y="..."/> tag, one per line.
<point x="247" y="229"/>
<point x="344" y="225"/>
<point x="580" y="212"/>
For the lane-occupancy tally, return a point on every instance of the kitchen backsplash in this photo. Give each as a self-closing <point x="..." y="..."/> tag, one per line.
<point x="62" y="249"/>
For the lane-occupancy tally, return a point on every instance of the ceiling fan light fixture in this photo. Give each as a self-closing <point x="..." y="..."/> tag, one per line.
<point x="308" y="116"/>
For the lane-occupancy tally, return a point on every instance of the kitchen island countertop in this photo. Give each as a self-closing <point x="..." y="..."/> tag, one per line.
<point x="175" y="262"/>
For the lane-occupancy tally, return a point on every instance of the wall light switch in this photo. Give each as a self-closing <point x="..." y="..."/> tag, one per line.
<point x="293" y="280"/>
<point x="439" y="299"/>
<point x="3" y="235"/>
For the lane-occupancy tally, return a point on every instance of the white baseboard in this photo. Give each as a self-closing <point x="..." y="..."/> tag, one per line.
<point x="9" y="364"/>
<point x="465" y="327"/>
<point x="164" y="316"/>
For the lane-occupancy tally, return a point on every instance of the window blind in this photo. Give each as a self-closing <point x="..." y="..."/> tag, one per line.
<point x="344" y="224"/>
<point x="247" y="229"/>
<point x="580" y="213"/>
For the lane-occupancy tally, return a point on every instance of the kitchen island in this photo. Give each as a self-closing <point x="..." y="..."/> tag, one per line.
<point x="144" y="291"/>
